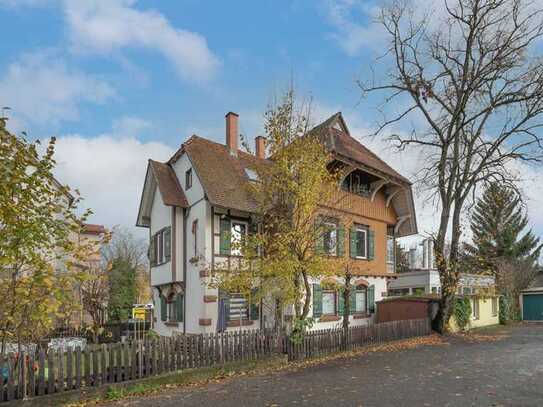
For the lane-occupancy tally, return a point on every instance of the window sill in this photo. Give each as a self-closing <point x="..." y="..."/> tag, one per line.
<point x="171" y="323"/>
<point x="244" y="322"/>
<point x="329" y="318"/>
<point x="361" y="315"/>
<point x="160" y="264"/>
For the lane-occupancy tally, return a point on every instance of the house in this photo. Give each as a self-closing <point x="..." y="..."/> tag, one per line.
<point x="426" y="281"/>
<point x="196" y="198"/>
<point x="423" y="280"/>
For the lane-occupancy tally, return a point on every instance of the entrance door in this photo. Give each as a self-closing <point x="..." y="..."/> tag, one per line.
<point x="532" y="307"/>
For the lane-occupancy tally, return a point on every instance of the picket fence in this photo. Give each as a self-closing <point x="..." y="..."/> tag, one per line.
<point x="39" y="373"/>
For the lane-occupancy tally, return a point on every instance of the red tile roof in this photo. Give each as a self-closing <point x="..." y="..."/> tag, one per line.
<point x="91" y="229"/>
<point x="168" y="184"/>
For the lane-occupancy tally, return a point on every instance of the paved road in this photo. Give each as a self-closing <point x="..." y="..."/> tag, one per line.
<point x="508" y="372"/>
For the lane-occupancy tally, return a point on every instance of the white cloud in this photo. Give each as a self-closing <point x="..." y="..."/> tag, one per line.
<point x="41" y="88"/>
<point x="105" y="26"/>
<point x="352" y="36"/>
<point x="109" y="171"/>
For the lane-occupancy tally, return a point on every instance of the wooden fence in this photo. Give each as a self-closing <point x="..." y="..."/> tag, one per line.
<point x="318" y="343"/>
<point x="36" y="374"/>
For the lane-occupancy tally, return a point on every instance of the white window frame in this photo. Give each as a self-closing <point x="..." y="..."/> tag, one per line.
<point x="233" y="235"/>
<point x="475" y="315"/>
<point x="365" y="293"/>
<point x="333" y="232"/>
<point x="495" y="307"/>
<point x="334" y="294"/>
<point x="390" y="260"/>
<point x="365" y="231"/>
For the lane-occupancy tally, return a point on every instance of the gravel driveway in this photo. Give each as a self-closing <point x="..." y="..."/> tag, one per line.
<point x="505" y="372"/>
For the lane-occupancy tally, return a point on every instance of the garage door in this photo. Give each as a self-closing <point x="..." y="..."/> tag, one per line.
<point x="532" y="307"/>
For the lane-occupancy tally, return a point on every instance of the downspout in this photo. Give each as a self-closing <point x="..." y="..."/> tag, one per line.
<point x="186" y="213"/>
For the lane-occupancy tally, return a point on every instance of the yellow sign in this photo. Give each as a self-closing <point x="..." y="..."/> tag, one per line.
<point x="139" y="313"/>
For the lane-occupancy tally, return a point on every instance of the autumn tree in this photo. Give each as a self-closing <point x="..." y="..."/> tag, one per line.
<point x="125" y="258"/>
<point x="39" y="257"/>
<point x="280" y="257"/>
<point x="467" y="77"/>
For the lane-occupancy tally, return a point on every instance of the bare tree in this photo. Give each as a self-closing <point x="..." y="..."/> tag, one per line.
<point x="476" y="85"/>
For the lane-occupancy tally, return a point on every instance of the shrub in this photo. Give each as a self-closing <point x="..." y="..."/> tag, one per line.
<point x="462" y="312"/>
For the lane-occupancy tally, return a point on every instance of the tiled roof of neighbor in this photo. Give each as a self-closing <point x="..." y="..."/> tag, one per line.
<point x="341" y="142"/>
<point x="92" y="229"/>
<point x="223" y="175"/>
<point x="168" y="184"/>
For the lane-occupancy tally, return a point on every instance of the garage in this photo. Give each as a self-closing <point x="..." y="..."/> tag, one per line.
<point x="532" y="304"/>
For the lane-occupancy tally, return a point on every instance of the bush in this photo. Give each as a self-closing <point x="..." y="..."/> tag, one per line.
<point x="462" y="312"/>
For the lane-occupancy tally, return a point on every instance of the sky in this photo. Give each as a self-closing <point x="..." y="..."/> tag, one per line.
<point x="121" y="81"/>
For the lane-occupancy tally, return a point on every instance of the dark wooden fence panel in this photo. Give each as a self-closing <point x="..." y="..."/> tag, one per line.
<point x="39" y="373"/>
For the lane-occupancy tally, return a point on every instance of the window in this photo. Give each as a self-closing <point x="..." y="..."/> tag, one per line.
<point x="171" y="308"/>
<point x="467" y="290"/>
<point x="360" y="243"/>
<point x="434" y="290"/>
<point x="195" y="236"/>
<point x="398" y="292"/>
<point x="160" y="248"/>
<point x="188" y="178"/>
<point x="475" y="307"/>
<point x="418" y="291"/>
<point x="329" y="303"/>
<point x="390" y="249"/>
<point x="330" y="238"/>
<point x="360" y="300"/>
<point x="238" y="307"/>
<point x="238" y="233"/>
<point x="494" y="306"/>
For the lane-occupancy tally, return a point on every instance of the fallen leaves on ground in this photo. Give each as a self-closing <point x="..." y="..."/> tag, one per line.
<point x="279" y="365"/>
<point x="476" y="337"/>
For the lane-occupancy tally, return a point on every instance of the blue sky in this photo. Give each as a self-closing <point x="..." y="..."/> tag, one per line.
<point x="121" y="81"/>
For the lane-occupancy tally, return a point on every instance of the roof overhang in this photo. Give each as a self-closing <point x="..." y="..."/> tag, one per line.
<point x="399" y="194"/>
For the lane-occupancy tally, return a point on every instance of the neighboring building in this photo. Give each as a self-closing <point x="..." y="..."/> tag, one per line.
<point x="531" y="301"/>
<point x="426" y="281"/>
<point x="196" y="202"/>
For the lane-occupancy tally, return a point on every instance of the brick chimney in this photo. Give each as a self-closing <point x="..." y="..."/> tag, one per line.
<point x="232" y="132"/>
<point x="260" y="144"/>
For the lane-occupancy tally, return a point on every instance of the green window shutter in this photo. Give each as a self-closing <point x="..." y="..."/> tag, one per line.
<point x="341" y="301"/>
<point x="168" y="243"/>
<point x="371" y="245"/>
<point x="319" y="244"/>
<point x="152" y="251"/>
<point x="254" y="306"/>
<point x="340" y="241"/>
<point x="163" y="309"/>
<point x="371" y="299"/>
<point x="352" y="243"/>
<point x="227" y="307"/>
<point x="179" y="307"/>
<point x="225" y="230"/>
<point x="317" y="300"/>
<point x="352" y="300"/>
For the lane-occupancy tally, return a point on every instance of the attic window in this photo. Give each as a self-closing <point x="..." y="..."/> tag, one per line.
<point x="252" y="175"/>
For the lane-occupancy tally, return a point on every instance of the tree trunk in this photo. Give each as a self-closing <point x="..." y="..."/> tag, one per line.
<point x="346" y="309"/>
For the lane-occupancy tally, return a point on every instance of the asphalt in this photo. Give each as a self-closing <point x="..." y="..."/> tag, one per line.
<point x="504" y="372"/>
